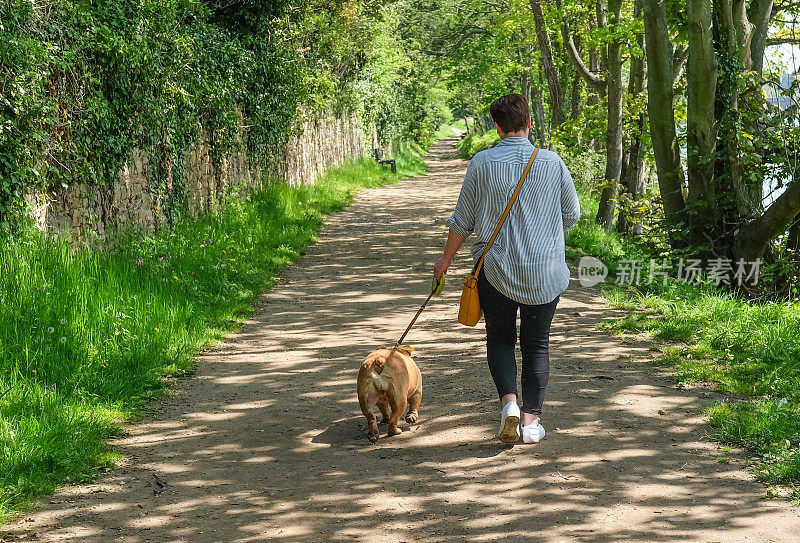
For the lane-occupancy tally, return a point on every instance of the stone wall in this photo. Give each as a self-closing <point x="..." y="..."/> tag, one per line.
<point x="134" y="202"/>
<point x="317" y="145"/>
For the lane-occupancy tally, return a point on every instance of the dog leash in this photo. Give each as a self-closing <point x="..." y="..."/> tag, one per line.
<point x="438" y="285"/>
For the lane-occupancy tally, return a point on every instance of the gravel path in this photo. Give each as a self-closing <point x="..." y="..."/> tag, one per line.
<point x="265" y="442"/>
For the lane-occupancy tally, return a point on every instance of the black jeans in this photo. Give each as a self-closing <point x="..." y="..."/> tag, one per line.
<point x="500" y="314"/>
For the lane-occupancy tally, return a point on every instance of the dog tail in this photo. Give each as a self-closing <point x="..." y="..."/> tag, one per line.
<point x="380" y="382"/>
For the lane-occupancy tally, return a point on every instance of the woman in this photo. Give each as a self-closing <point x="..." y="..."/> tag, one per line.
<point x="525" y="268"/>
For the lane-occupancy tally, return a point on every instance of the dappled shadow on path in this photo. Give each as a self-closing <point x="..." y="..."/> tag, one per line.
<point x="266" y="442"/>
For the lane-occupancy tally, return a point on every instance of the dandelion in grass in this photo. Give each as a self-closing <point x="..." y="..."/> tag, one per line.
<point x="175" y="277"/>
<point x="63" y="340"/>
<point x="51" y="329"/>
<point x="63" y="321"/>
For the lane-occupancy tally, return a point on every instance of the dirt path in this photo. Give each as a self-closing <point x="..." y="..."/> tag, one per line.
<point x="265" y="442"/>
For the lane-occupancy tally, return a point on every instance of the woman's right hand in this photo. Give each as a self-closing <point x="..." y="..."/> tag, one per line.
<point x="440" y="268"/>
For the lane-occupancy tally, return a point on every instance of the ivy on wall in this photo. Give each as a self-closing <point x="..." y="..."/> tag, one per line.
<point x="83" y="82"/>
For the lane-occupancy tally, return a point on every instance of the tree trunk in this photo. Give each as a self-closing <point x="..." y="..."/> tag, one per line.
<point x="635" y="184"/>
<point x="594" y="65"/>
<point x="538" y="113"/>
<point x="575" y="105"/>
<point x="701" y="73"/>
<point x="793" y="242"/>
<point x="671" y="179"/>
<point x="527" y="92"/>
<point x="525" y="85"/>
<point x="747" y="41"/>
<point x="624" y="193"/>
<point x="759" y="14"/>
<point x="608" y="199"/>
<point x="633" y="177"/>
<point x="752" y="238"/>
<point x="575" y="98"/>
<point x="729" y="198"/>
<point x="731" y="191"/>
<point x="550" y="71"/>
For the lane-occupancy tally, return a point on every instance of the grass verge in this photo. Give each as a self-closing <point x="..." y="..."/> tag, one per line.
<point x="86" y="337"/>
<point x="449" y="130"/>
<point x="751" y="351"/>
<point x="474" y="143"/>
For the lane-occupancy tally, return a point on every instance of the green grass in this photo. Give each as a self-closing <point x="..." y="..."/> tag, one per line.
<point x="446" y="131"/>
<point x="474" y="143"/>
<point x="87" y="336"/>
<point x="748" y="350"/>
<point x="409" y="159"/>
<point x="587" y="238"/>
<point x="751" y="351"/>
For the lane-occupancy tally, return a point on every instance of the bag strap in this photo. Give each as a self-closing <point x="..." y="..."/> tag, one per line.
<point x="506" y="212"/>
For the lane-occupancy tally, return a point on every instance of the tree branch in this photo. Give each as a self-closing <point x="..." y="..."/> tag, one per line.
<point x="597" y="83"/>
<point x="778" y="41"/>
<point x="550" y="70"/>
<point x="759" y="12"/>
<point x="781" y="114"/>
<point x="678" y="59"/>
<point x="753" y="237"/>
<point x="458" y="44"/>
<point x="782" y="6"/>
<point x="788" y="112"/>
<point x="757" y="19"/>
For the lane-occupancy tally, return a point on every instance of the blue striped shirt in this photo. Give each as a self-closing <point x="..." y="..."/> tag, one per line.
<point x="527" y="261"/>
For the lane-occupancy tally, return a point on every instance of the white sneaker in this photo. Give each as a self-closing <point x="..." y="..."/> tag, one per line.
<point x="532" y="433"/>
<point x="509" y="423"/>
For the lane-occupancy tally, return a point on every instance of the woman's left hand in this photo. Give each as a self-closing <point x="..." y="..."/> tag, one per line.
<point x="440" y="268"/>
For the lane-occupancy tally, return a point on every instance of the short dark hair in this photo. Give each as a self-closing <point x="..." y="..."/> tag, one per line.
<point x="511" y="112"/>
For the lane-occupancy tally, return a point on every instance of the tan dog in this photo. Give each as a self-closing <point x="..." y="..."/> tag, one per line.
<point x="390" y="378"/>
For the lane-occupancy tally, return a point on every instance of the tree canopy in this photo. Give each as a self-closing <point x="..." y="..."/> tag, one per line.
<point x="698" y="131"/>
